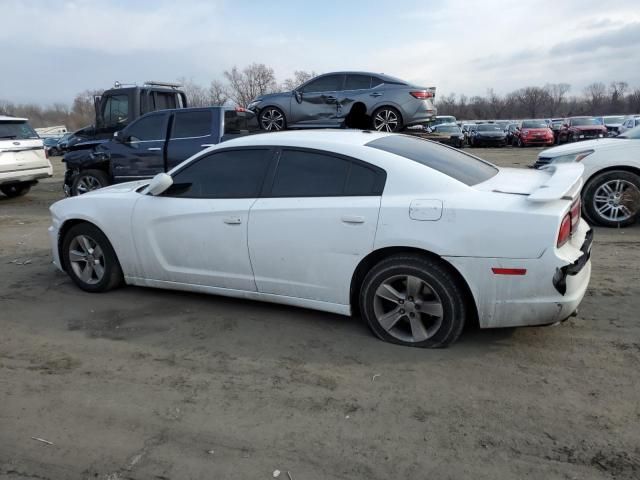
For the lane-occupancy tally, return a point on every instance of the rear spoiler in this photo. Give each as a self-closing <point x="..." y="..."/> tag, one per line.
<point x="565" y="183"/>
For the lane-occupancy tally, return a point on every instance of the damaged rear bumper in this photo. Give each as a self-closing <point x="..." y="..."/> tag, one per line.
<point x="560" y="277"/>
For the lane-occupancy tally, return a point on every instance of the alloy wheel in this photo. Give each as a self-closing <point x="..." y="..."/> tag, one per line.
<point x="408" y="308"/>
<point x="617" y="200"/>
<point x="272" y="120"/>
<point x="386" y="121"/>
<point x="87" y="183"/>
<point x="86" y="259"/>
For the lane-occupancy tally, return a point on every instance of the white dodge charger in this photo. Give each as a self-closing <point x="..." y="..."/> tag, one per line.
<point x="416" y="237"/>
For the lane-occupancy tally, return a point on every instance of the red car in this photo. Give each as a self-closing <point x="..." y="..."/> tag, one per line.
<point x="533" y="132"/>
<point x="581" y="128"/>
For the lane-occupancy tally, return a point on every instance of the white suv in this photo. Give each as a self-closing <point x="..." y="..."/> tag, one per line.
<point x="22" y="157"/>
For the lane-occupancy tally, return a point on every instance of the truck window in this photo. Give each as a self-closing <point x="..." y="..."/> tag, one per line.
<point x="192" y="124"/>
<point x="147" y="128"/>
<point x="116" y="110"/>
<point x="240" y="122"/>
<point x="165" y="100"/>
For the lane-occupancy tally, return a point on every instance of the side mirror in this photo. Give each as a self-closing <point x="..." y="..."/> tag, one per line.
<point x="298" y="96"/>
<point x="116" y="136"/>
<point x="159" y="184"/>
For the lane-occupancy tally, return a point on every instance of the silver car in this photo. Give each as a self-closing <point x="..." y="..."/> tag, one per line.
<point x="325" y="102"/>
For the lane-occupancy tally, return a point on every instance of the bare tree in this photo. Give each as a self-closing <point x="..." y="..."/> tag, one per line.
<point x="556" y="95"/>
<point x="196" y="95"/>
<point x="595" y="94"/>
<point x="617" y="91"/>
<point x="633" y="101"/>
<point x="532" y="100"/>
<point x="299" y="77"/>
<point x="218" y="94"/>
<point x="254" y="80"/>
<point x="496" y="104"/>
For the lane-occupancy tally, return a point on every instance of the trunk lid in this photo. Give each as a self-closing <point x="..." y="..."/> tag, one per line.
<point x="18" y="155"/>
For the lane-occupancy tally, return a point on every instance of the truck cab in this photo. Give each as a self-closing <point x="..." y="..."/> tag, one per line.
<point x="154" y="143"/>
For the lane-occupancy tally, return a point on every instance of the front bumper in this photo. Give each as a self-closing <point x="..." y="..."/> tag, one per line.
<point x="538" y="141"/>
<point x="53" y="232"/>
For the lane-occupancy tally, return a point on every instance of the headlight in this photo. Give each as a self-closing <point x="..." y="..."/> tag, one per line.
<point x="253" y="104"/>
<point x="572" y="157"/>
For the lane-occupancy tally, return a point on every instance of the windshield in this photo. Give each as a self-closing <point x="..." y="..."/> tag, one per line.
<point x="610" y="120"/>
<point x="461" y="166"/>
<point x="633" y="134"/>
<point x="489" y="127"/>
<point x="584" y="121"/>
<point x="447" y="129"/>
<point x="16" y="130"/>
<point x="534" y="124"/>
<point x="440" y="120"/>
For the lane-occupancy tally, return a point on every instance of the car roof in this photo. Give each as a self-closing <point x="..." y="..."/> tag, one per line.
<point x="6" y="118"/>
<point x="299" y="137"/>
<point x="377" y="74"/>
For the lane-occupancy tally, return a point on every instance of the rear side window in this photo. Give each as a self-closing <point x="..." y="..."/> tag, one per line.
<point x="358" y="82"/>
<point x="192" y="124"/>
<point x="375" y="81"/>
<point x="460" y="166"/>
<point x="16" y="130"/>
<point x="148" y="128"/>
<point x="228" y="174"/>
<point x="302" y="173"/>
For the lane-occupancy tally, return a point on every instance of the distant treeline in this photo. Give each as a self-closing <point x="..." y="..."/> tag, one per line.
<point x="240" y="86"/>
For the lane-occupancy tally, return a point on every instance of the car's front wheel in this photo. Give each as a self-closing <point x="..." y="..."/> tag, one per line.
<point x="612" y="198"/>
<point x="272" y="119"/>
<point x="89" y="259"/>
<point x="89" y="180"/>
<point x="414" y="301"/>
<point x="387" y="119"/>
<point x="16" y="189"/>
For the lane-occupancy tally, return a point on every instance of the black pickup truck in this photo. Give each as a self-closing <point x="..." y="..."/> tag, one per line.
<point x="154" y="143"/>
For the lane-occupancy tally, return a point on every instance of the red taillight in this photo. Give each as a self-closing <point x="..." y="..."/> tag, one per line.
<point x="575" y="214"/>
<point x="46" y="153"/>
<point x="422" y="94"/>
<point x="240" y="109"/>
<point x="565" y="230"/>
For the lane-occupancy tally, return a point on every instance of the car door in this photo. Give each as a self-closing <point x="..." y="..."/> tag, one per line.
<point x="138" y="151"/>
<point x="196" y="232"/>
<point x="357" y="88"/>
<point x="311" y="228"/>
<point x="191" y="131"/>
<point x="316" y="103"/>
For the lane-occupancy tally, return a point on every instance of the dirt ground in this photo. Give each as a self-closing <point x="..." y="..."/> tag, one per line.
<point x="151" y="384"/>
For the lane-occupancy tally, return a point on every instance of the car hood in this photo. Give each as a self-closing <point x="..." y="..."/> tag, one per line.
<point x="118" y="188"/>
<point x="536" y="130"/>
<point x="491" y="134"/>
<point x="271" y="96"/>
<point x="588" y="127"/>
<point x="570" y="148"/>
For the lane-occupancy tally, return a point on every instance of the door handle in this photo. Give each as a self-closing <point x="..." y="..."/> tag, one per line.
<point x="331" y="99"/>
<point x="154" y="149"/>
<point x="232" y="221"/>
<point x="352" y="219"/>
<point x="376" y="94"/>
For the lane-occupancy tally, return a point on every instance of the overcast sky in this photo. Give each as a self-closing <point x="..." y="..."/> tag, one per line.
<point x="52" y="50"/>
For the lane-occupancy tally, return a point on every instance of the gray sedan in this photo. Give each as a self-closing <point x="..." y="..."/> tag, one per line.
<point x="325" y="101"/>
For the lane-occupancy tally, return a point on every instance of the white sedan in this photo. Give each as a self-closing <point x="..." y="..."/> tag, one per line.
<point x="611" y="195"/>
<point x="417" y="237"/>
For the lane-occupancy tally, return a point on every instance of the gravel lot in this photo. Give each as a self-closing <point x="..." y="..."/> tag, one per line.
<point x="152" y="384"/>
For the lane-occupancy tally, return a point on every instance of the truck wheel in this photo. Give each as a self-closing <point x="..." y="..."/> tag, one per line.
<point x="612" y="199"/>
<point x="272" y="119"/>
<point x="16" y="190"/>
<point x="88" y="180"/>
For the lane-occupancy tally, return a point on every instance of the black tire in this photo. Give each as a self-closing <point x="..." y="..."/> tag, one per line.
<point x="520" y="143"/>
<point x="16" y="189"/>
<point x="442" y="283"/>
<point x="89" y="180"/>
<point x="630" y="198"/>
<point x="571" y="138"/>
<point x="387" y="119"/>
<point x="112" y="272"/>
<point x="272" y="119"/>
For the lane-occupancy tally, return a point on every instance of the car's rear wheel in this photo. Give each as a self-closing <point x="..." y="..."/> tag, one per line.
<point x="387" y="119"/>
<point x="612" y="198"/>
<point x="272" y="119"/>
<point x="412" y="300"/>
<point x="89" y="180"/>
<point x="89" y="259"/>
<point x="16" y="189"/>
<point x="520" y="143"/>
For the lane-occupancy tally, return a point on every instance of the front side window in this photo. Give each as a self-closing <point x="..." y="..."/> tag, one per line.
<point x="328" y="83"/>
<point x="16" y="130"/>
<point x="227" y="174"/>
<point x="116" y="110"/>
<point x="191" y="124"/>
<point x="461" y="166"/>
<point x="152" y="127"/>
